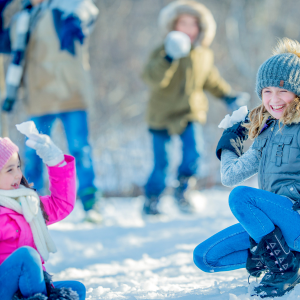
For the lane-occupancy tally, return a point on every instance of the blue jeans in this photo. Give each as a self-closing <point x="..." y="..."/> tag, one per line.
<point x="258" y="212"/>
<point x="23" y="270"/>
<point x="76" y="129"/>
<point x="190" y="157"/>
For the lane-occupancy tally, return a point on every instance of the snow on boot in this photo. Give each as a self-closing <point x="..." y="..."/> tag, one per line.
<point x="63" y="294"/>
<point x="39" y="296"/>
<point x="150" y="206"/>
<point x="282" y="263"/>
<point x="180" y="195"/>
<point x="254" y="265"/>
<point x="58" y="294"/>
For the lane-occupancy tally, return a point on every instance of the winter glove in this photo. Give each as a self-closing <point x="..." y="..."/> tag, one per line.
<point x="68" y="30"/>
<point x="45" y="149"/>
<point x="235" y="102"/>
<point x="177" y="45"/>
<point x="8" y="105"/>
<point x="233" y="138"/>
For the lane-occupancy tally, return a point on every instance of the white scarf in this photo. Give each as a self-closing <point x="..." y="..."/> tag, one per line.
<point x="26" y="201"/>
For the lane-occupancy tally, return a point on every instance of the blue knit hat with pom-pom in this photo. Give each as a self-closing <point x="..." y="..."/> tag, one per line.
<point x="281" y="70"/>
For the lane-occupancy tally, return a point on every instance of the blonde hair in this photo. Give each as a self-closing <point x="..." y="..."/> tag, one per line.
<point x="259" y="115"/>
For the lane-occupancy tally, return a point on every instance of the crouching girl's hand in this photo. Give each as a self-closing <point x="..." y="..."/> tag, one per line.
<point x="233" y="138"/>
<point x="45" y="149"/>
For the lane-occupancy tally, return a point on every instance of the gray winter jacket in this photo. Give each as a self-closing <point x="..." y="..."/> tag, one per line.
<point x="274" y="155"/>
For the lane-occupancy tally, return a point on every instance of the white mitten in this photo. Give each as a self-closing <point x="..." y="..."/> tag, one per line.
<point x="45" y="149"/>
<point x="177" y="44"/>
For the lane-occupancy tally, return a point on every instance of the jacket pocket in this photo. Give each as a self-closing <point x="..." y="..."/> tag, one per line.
<point x="258" y="145"/>
<point x="292" y="192"/>
<point x="281" y="149"/>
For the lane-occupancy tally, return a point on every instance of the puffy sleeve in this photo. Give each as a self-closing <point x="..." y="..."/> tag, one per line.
<point x="158" y="72"/>
<point x="62" y="186"/>
<point x="235" y="170"/>
<point x="216" y="85"/>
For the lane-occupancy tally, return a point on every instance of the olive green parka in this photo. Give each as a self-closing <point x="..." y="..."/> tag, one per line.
<point x="177" y="89"/>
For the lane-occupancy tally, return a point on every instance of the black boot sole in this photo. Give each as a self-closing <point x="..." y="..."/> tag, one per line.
<point x="295" y="282"/>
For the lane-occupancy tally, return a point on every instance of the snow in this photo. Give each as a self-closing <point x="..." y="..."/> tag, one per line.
<point x="237" y="116"/>
<point x="129" y="257"/>
<point x="27" y="128"/>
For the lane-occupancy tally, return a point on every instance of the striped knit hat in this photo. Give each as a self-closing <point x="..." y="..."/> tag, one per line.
<point x="281" y="70"/>
<point x="7" y="149"/>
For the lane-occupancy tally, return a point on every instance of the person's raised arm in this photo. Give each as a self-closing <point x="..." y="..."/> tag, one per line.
<point x="236" y="166"/>
<point x="62" y="177"/>
<point x="164" y="61"/>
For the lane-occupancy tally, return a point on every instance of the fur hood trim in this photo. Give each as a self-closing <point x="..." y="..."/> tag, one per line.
<point x="207" y="24"/>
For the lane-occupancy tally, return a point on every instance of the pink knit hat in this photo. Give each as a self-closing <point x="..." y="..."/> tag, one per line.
<point x="7" y="149"/>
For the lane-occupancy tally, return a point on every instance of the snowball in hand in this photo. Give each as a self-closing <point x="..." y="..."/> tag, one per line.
<point x="177" y="44"/>
<point x="238" y="115"/>
<point x="27" y="128"/>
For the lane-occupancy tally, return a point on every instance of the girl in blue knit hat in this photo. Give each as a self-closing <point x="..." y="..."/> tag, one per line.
<point x="267" y="237"/>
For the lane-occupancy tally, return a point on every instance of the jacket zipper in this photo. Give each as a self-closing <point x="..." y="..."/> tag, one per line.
<point x="264" y="156"/>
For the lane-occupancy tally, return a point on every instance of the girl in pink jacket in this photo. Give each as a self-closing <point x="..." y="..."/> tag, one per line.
<point x="25" y="243"/>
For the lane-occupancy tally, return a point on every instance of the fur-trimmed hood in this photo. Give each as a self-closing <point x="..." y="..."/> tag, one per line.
<point x="207" y="24"/>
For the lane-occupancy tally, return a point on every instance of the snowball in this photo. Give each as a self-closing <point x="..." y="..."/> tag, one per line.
<point x="27" y="128"/>
<point x="237" y="116"/>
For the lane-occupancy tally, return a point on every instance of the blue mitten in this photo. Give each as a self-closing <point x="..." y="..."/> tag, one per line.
<point x="8" y="105"/>
<point x="233" y="139"/>
<point x="177" y="45"/>
<point x="236" y="101"/>
<point x="68" y="30"/>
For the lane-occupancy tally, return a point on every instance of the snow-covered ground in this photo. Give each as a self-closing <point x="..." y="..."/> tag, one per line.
<point x="128" y="257"/>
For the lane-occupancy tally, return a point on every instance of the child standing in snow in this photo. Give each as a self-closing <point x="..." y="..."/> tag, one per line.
<point x="49" y="58"/>
<point x="24" y="217"/>
<point x="177" y="73"/>
<point x="267" y="236"/>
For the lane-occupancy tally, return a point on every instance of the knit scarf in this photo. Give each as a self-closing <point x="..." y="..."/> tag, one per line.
<point x="25" y="22"/>
<point x="26" y="202"/>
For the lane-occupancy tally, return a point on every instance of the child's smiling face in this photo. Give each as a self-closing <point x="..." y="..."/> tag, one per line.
<point x="189" y="25"/>
<point x="276" y="100"/>
<point x="11" y="174"/>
